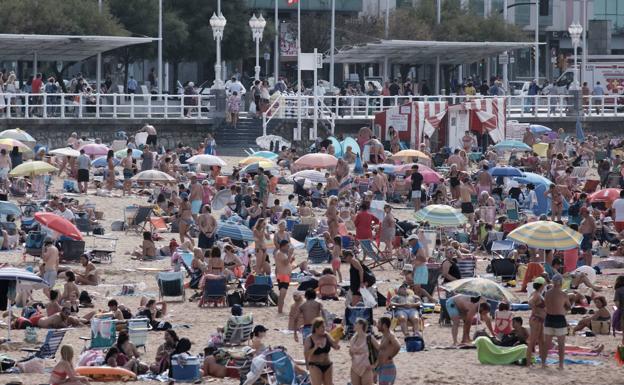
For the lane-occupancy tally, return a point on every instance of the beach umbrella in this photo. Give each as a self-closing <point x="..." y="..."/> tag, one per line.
<point x="317" y="160"/>
<point x="531" y="177"/>
<point x="265" y="141"/>
<point x="94" y="149"/>
<point x="58" y="224"/>
<point x="505" y="171"/>
<point x="22" y="278"/>
<point x="441" y="216"/>
<point x="234" y="231"/>
<point x="429" y="176"/>
<point x="311" y="175"/>
<point x="252" y="168"/>
<point x="547" y="235"/>
<point x="250" y="160"/>
<point x="410" y="153"/>
<point x="350" y="142"/>
<point x="8" y="144"/>
<point x="512" y="145"/>
<point x="32" y="168"/>
<point x="221" y="199"/>
<point x="266" y="154"/>
<point x="9" y="208"/>
<point x="66" y="151"/>
<point x="103" y="162"/>
<point x="153" y="176"/>
<point x="539" y="129"/>
<point x="386" y="168"/>
<point x="337" y="147"/>
<point x="206" y="160"/>
<point x="136" y="153"/>
<point x="18" y="134"/>
<point x="608" y="196"/>
<point x="486" y="288"/>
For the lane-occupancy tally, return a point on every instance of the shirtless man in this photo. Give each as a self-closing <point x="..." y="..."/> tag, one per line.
<point x="50" y="258"/>
<point x="555" y="324"/>
<point x="308" y="311"/>
<point x="588" y="229"/>
<point x="462" y="307"/>
<point x="378" y="186"/>
<point x="196" y="197"/>
<point x="556" y="202"/>
<point x="53" y="306"/>
<point x="295" y="320"/>
<point x="60" y="320"/>
<point x="528" y="137"/>
<point x="332" y="186"/>
<point x="485" y="180"/>
<point x="466" y="191"/>
<point x="207" y="229"/>
<point x="283" y="268"/>
<point x="467" y="141"/>
<point x="5" y="167"/>
<point x="90" y="275"/>
<point x="126" y="164"/>
<point x="388" y="348"/>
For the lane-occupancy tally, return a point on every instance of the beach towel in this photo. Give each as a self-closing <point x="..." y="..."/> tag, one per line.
<point x="569" y="361"/>
<point x="575" y="351"/>
<point x="490" y="354"/>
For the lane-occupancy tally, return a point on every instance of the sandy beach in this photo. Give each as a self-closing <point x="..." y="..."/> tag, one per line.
<point x="433" y="366"/>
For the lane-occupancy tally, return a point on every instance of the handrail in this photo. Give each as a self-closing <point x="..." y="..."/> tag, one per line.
<point x="274" y="108"/>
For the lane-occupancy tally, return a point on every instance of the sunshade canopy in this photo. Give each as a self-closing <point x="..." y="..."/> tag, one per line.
<point x="425" y="52"/>
<point x="62" y="47"/>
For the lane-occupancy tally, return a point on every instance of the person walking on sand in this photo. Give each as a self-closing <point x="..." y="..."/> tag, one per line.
<point x="84" y="164"/>
<point x="50" y="259"/>
<point x="196" y="197"/>
<point x="316" y="352"/>
<point x="359" y="350"/>
<point x="387" y="349"/>
<point x="555" y="324"/>
<point x="128" y="173"/>
<point x="283" y="268"/>
<point x="536" y="320"/>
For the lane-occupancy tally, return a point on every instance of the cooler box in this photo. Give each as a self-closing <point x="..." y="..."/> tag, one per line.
<point x="187" y="372"/>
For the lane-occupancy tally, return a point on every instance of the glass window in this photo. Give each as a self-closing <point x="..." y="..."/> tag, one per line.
<point x="523" y="15"/>
<point x="611" y="7"/>
<point x="476" y="6"/>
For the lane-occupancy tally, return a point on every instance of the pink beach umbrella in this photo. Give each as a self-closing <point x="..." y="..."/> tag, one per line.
<point x="94" y="149"/>
<point x="317" y="160"/>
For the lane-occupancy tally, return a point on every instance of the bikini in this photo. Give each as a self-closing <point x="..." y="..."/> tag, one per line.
<point x="61" y="375"/>
<point x="536" y="318"/>
<point x="318" y="351"/>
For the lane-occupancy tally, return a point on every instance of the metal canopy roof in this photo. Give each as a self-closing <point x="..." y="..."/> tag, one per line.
<point x="62" y="47"/>
<point x="425" y="52"/>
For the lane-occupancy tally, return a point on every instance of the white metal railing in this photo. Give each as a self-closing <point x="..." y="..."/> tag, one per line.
<point x="274" y="110"/>
<point x="112" y="106"/>
<point x="517" y="106"/>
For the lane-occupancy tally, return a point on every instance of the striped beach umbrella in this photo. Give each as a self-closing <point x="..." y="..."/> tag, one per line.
<point x="206" y="160"/>
<point x="512" y="145"/>
<point x="153" y="176"/>
<point x="32" y="168"/>
<point x="265" y="154"/>
<point x="234" y="231"/>
<point x="486" y="288"/>
<point x="312" y="175"/>
<point x="547" y="235"/>
<point x="18" y="134"/>
<point x="441" y="216"/>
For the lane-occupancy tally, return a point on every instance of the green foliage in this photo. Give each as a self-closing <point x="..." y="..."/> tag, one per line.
<point x="57" y="17"/>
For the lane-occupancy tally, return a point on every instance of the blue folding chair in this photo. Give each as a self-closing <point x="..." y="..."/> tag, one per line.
<point x="49" y="347"/>
<point x="171" y="284"/>
<point x="259" y="291"/>
<point x="215" y="291"/>
<point x="103" y="334"/>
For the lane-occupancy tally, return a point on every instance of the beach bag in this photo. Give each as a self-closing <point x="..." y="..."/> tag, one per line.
<point x="84" y="298"/>
<point x="6" y="363"/>
<point x="117" y="226"/>
<point x="414" y="344"/>
<point x="368" y="298"/>
<point x="373" y="353"/>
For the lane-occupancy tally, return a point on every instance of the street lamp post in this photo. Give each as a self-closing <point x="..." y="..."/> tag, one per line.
<point x="575" y="31"/>
<point x="217" y="22"/>
<point x="257" y="25"/>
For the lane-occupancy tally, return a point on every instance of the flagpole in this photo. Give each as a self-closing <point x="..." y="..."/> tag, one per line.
<point x="299" y="130"/>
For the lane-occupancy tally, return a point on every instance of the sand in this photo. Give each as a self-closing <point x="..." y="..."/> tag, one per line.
<point x="433" y="366"/>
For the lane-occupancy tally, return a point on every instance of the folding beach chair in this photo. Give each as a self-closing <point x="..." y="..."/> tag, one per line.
<point x="504" y="268"/>
<point x="137" y="332"/>
<point x="370" y="250"/>
<point x="158" y="224"/>
<point x="238" y="329"/>
<point x="84" y="225"/>
<point x="259" y="291"/>
<point x="501" y="249"/>
<point x="171" y="284"/>
<point x="434" y="271"/>
<point x="103" y="334"/>
<point x="215" y="292"/>
<point x="467" y="267"/>
<point x="280" y="369"/>
<point x="301" y="231"/>
<point x="48" y="349"/>
<point x="317" y="251"/>
<point x="352" y="313"/>
<point x="139" y="221"/>
<point x="34" y="243"/>
<point x="72" y="250"/>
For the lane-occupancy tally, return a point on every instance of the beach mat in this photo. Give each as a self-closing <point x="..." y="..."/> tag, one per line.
<point x="569" y="361"/>
<point x="575" y="352"/>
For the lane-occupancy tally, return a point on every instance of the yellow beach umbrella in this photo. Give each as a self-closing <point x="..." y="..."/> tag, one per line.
<point x="547" y="235"/>
<point x="35" y="167"/>
<point x="250" y="160"/>
<point x="8" y="144"/>
<point x="410" y="154"/>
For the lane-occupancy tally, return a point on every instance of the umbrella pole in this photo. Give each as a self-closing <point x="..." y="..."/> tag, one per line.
<point x="10" y="315"/>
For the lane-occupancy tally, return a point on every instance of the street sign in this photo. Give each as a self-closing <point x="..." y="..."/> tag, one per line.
<point x="267" y="56"/>
<point x="503" y="59"/>
<point x="512" y="60"/>
<point x="309" y="62"/>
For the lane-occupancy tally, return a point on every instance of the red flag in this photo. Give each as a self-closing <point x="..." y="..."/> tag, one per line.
<point x="291" y="2"/>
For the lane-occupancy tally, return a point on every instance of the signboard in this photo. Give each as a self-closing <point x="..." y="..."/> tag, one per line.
<point x="396" y="119"/>
<point x="515" y="130"/>
<point x="503" y="59"/>
<point x="288" y="40"/>
<point x="310" y="61"/>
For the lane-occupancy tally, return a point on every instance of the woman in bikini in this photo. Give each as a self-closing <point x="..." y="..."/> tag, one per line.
<point x="233" y="265"/>
<point x="316" y="350"/>
<point x="215" y="263"/>
<point x="186" y="218"/>
<point x="556" y="202"/>
<point x="536" y="321"/>
<point x="260" y="233"/>
<point x="454" y="181"/>
<point x="64" y="372"/>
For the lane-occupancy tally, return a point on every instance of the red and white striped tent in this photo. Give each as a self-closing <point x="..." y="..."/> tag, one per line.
<point x="416" y="119"/>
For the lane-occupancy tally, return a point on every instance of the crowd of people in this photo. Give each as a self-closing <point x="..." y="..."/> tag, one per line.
<point x="356" y="204"/>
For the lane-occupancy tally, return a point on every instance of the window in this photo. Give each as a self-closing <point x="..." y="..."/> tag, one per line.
<point x="610" y="10"/>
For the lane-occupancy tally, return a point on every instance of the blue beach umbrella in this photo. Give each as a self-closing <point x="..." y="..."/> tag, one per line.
<point x="539" y="129"/>
<point x="265" y="154"/>
<point x="512" y="145"/>
<point x="234" y="231"/>
<point x="101" y="162"/>
<point x="505" y="171"/>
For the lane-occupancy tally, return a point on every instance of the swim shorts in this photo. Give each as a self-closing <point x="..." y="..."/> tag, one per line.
<point x="555" y="325"/>
<point x="451" y="308"/>
<point x="421" y="275"/>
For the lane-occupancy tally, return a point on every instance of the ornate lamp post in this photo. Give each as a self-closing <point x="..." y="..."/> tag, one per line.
<point x="257" y="25"/>
<point x="218" y="22"/>
<point x="575" y="31"/>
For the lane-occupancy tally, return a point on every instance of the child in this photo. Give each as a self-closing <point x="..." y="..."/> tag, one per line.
<point x="336" y="254"/>
<point x="316" y="195"/>
<point x="64" y="373"/>
<point x="295" y="320"/>
<point x="502" y="320"/>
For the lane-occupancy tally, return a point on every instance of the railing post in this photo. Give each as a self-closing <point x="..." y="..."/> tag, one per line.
<point x="602" y="104"/>
<point x="8" y="103"/>
<point x="97" y="105"/>
<point x="264" y="124"/>
<point x="27" y="105"/>
<point x="115" y="98"/>
<point x="166" y="106"/>
<point x="548" y="105"/>
<point x="44" y="112"/>
<point x="80" y="104"/>
<point x="62" y="106"/>
<point x="149" y="106"/>
<point x="132" y="106"/>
